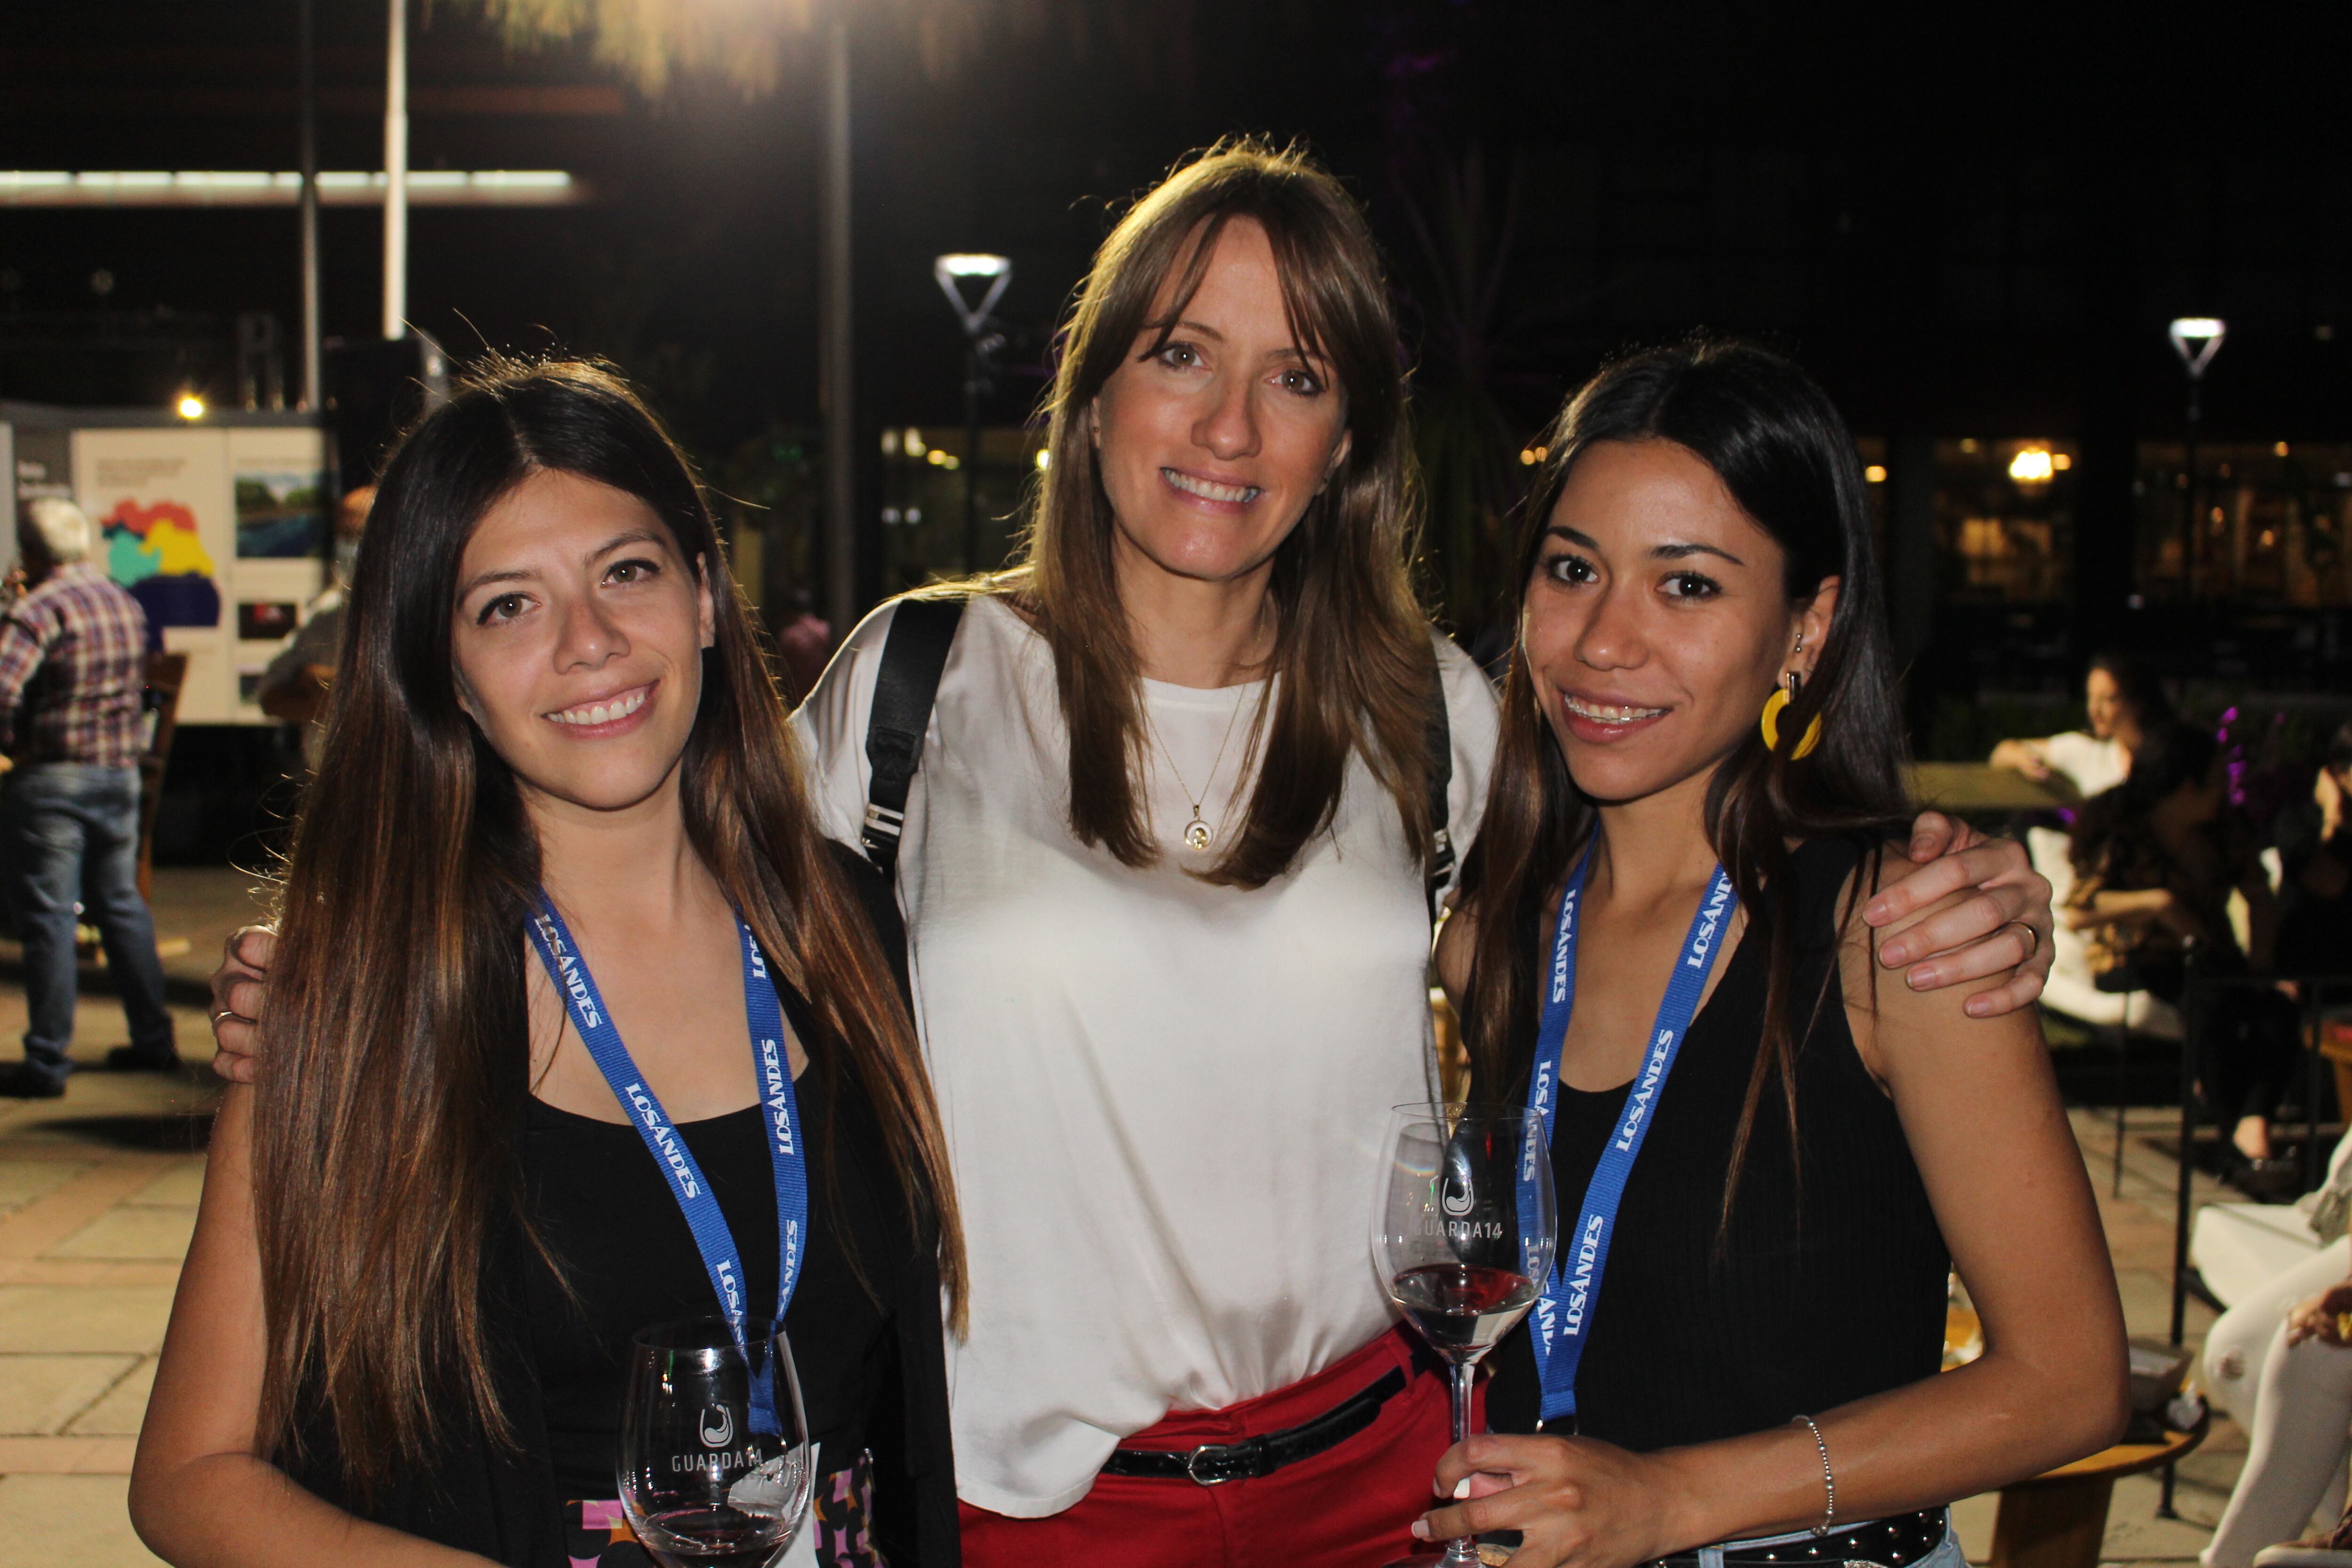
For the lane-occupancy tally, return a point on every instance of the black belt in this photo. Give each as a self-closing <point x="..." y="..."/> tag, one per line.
<point x="1895" y="1542"/>
<point x="1214" y="1464"/>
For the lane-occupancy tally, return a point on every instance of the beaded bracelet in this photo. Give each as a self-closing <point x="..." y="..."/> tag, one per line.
<point x="1829" y="1479"/>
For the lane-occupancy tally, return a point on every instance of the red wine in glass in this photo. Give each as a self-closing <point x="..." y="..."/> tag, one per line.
<point x="1462" y="1229"/>
<point x="1462" y="1309"/>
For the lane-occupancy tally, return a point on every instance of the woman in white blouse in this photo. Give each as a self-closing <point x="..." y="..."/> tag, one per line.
<point x="1164" y="868"/>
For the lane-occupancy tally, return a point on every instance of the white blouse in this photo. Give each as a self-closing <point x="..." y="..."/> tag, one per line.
<point x="1163" y="1100"/>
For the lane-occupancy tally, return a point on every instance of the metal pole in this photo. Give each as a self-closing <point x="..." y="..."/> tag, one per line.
<point x="395" y="177"/>
<point x="971" y="454"/>
<point x="2192" y="1011"/>
<point x="2194" y="545"/>
<point x="312" y="395"/>
<point x="834" y="383"/>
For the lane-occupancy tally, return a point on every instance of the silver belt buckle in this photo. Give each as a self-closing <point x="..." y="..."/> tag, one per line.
<point x="1193" y="1465"/>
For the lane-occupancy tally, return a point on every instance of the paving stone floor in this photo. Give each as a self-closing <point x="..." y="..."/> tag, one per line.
<point x="97" y="1199"/>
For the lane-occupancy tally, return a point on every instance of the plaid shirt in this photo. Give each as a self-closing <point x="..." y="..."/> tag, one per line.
<point x="73" y="662"/>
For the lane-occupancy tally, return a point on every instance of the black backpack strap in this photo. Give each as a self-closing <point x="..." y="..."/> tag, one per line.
<point x="1441" y="783"/>
<point x="915" y="653"/>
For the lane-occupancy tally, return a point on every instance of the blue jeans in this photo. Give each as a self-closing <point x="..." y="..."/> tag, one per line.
<point x="71" y="829"/>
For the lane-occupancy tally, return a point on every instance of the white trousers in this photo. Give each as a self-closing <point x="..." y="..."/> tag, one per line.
<point x="2240" y="1340"/>
<point x="2302" y="1432"/>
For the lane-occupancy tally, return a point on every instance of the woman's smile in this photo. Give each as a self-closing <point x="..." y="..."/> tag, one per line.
<point x="614" y="713"/>
<point x="1601" y="723"/>
<point x="1212" y="494"/>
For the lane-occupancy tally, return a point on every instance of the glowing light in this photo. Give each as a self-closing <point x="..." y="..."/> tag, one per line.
<point x="914" y="444"/>
<point x="2196" y="339"/>
<point x="2061" y="462"/>
<point x="264" y="187"/>
<point x="2031" y="467"/>
<point x="189" y="406"/>
<point x="1531" y="456"/>
<point x="962" y="265"/>
<point x="1875" y="474"/>
<point x="1045" y="459"/>
<point x="2278" y="449"/>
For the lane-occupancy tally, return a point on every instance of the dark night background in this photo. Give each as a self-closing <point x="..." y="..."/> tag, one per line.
<point x="1972" y="223"/>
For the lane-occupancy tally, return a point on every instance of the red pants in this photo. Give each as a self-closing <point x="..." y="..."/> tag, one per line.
<point x="1351" y="1506"/>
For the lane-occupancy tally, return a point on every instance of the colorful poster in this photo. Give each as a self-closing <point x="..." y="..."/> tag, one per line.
<point x="155" y="551"/>
<point x="161" y="503"/>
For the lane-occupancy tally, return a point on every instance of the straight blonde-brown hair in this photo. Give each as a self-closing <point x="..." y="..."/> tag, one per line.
<point x="387" y="1132"/>
<point x="1352" y="653"/>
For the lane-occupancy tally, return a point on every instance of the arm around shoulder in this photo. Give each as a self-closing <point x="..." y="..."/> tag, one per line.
<point x="1980" y="1110"/>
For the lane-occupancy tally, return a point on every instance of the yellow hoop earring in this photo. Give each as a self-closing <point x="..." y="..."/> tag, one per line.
<point x="1771" y="724"/>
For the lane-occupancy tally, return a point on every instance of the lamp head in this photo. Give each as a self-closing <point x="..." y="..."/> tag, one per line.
<point x="953" y="269"/>
<point x="2196" y="339"/>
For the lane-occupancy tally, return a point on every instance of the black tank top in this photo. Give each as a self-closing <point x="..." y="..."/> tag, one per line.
<point x="1830" y="1281"/>
<point x="607" y="1213"/>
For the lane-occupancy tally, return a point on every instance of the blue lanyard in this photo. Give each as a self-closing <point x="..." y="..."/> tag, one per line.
<point x="1563" y="1315"/>
<point x="569" y="969"/>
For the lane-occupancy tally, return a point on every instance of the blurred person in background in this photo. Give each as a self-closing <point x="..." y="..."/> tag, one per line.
<point x="803" y="643"/>
<point x="73" y="663"/>
<point x="2156" y="859"/>
<point x="2123" y="702"/>
<point x="294" y="687"/>
<point x="2316" y="871"/>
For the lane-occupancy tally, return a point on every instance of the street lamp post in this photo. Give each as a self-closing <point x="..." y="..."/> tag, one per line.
<point x="835" y="365"/>
<point x="2196" y="339"/>
<point x="395" y="174"/>
<point x="980" y="342"/>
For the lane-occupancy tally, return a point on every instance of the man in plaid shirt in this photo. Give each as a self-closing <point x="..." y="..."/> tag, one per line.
<point x="73" y="659"/>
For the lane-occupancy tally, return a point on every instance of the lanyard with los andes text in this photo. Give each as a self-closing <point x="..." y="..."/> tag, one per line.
<point x="1562" y="1320"/>
<point x="781" y="1116"/>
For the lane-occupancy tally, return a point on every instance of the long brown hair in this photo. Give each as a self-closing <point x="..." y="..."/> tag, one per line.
<point x="1353" y="649"/>
<point x="1781" y="448"/>
<point x="386" y="1133"/>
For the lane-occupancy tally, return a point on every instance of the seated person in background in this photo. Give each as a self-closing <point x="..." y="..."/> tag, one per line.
<point x="2124" y="702"/>
<point x="2316" y="885"/>
<point x="2156" y="859"/>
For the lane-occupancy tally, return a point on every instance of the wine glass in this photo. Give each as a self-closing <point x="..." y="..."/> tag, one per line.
<point x="1463" y="1238"/>
<point x="715" y="1466"/>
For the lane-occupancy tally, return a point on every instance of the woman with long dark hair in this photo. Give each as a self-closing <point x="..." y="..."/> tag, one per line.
<point x="1770" y="1171"/>
<point x="428" y="1235"/>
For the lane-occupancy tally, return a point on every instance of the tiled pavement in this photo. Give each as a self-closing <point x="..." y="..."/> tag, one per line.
<point x="98" y="1194"/>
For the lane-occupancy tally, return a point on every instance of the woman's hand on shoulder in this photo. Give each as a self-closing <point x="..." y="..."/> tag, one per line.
<point x="240" y="986"/>
<point x="1575" y="1499"/>
<point x="1962" y="907"/>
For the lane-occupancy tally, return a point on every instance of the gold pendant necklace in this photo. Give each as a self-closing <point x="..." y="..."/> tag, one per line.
<point x="1197" y="834"/>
